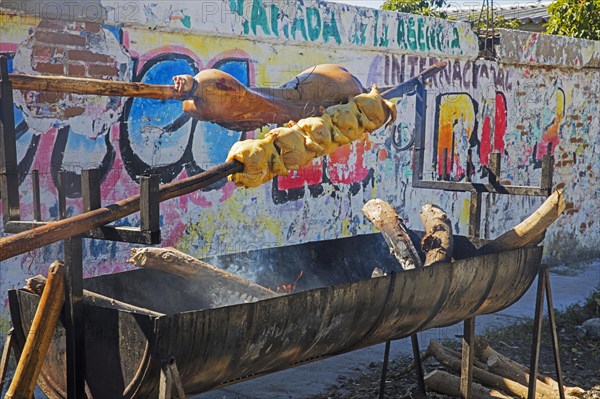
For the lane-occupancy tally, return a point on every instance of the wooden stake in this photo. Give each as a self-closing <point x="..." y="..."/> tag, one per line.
<point x="395" y="233"/>
<point x="40" y="335"/>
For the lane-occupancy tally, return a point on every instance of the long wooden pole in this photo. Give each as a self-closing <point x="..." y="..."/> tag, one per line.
<point x="59" y="230"/>
<point x="100" y="87"/>
<point x="40" y="335"/>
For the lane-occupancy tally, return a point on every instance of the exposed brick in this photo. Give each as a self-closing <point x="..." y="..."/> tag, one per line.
<point x="88" y="56"/>
<point x="43" y="52"/>
<point x="102" y="70"/>
<point x="75" y="70"/>
<point x="46" y="67"/>
<point x="60" y="38"/>
<point x="73" y="111"/>
<point x="50" y="97"/>
<point x="52" y="24"/>
<point x="92" y="27"/>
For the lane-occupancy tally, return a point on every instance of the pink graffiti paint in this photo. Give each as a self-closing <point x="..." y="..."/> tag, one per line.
<point x="500" y="122"/>
<point x="485" y="146"/>
<point x="346" y="165"/>
<point x="311" y="174"/>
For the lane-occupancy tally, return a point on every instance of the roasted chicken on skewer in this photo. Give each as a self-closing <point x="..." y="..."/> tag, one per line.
<point x="295" y="145"/>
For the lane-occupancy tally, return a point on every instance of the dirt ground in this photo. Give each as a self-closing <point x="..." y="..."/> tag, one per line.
<point x="580" y="357"/>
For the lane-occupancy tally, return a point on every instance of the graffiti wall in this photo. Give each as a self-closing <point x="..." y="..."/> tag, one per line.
<point x="542" y="94"/>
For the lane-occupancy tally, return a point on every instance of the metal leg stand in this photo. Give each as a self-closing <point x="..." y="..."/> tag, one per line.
<point x="561" y="389"/>
<point x="537" y="333"/>
<point x="544" y="287"/>
<point x="386" y="357"/>
<point x="418" y="366"/>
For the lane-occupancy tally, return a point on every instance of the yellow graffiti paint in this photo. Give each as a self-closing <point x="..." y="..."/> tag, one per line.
<point x="463" y="217"/>
<point x="456" y="123"/>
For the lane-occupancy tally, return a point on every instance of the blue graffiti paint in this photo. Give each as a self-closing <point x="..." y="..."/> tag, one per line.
<point x="26" y="142"/>
<point x="155" y="134"/>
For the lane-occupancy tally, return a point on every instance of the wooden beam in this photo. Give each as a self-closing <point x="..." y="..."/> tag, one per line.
<point x="40" y="335"/>
<point x="98" y="87"/>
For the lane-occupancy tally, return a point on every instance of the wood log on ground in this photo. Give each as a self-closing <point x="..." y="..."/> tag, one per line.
<point x="39" y="336"/>
<point x="506" y="367"/>
<point x="476" y="362"/>
<point x="530" y="231"/>
<point x="438" y="241"/>
<point x="37" y="283"/>
<point x="224" y="288"/>
<point x="395" y="233"/>
<point x="485" y="377"/>
<point x="449" y="384"/>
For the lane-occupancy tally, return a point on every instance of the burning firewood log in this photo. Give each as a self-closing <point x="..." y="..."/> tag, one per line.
<point x="531" y="231"/>
<point x="395" y="233"/>
<point x="449" y="384"/>
<point x="40" y="335"/>
<point x="438" y="242"/>
<point x="224" y="288"/>
<point x="37" y="283"/>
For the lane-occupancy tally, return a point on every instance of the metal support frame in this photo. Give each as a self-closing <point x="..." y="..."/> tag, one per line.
<point x="9" y="170"/>
<point x="73" y="311"/>
<point x="73" y="307"/>
<point x="476" y="190"/>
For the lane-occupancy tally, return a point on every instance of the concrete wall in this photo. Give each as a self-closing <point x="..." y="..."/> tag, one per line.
<point x="541" y="90"/>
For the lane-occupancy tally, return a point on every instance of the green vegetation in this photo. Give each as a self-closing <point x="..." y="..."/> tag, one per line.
<point x="575" y="18"/>
<point x="430" y="8"/>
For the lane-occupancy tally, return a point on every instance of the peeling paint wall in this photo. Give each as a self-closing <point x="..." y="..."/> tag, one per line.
<point x="542" y="90"/>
